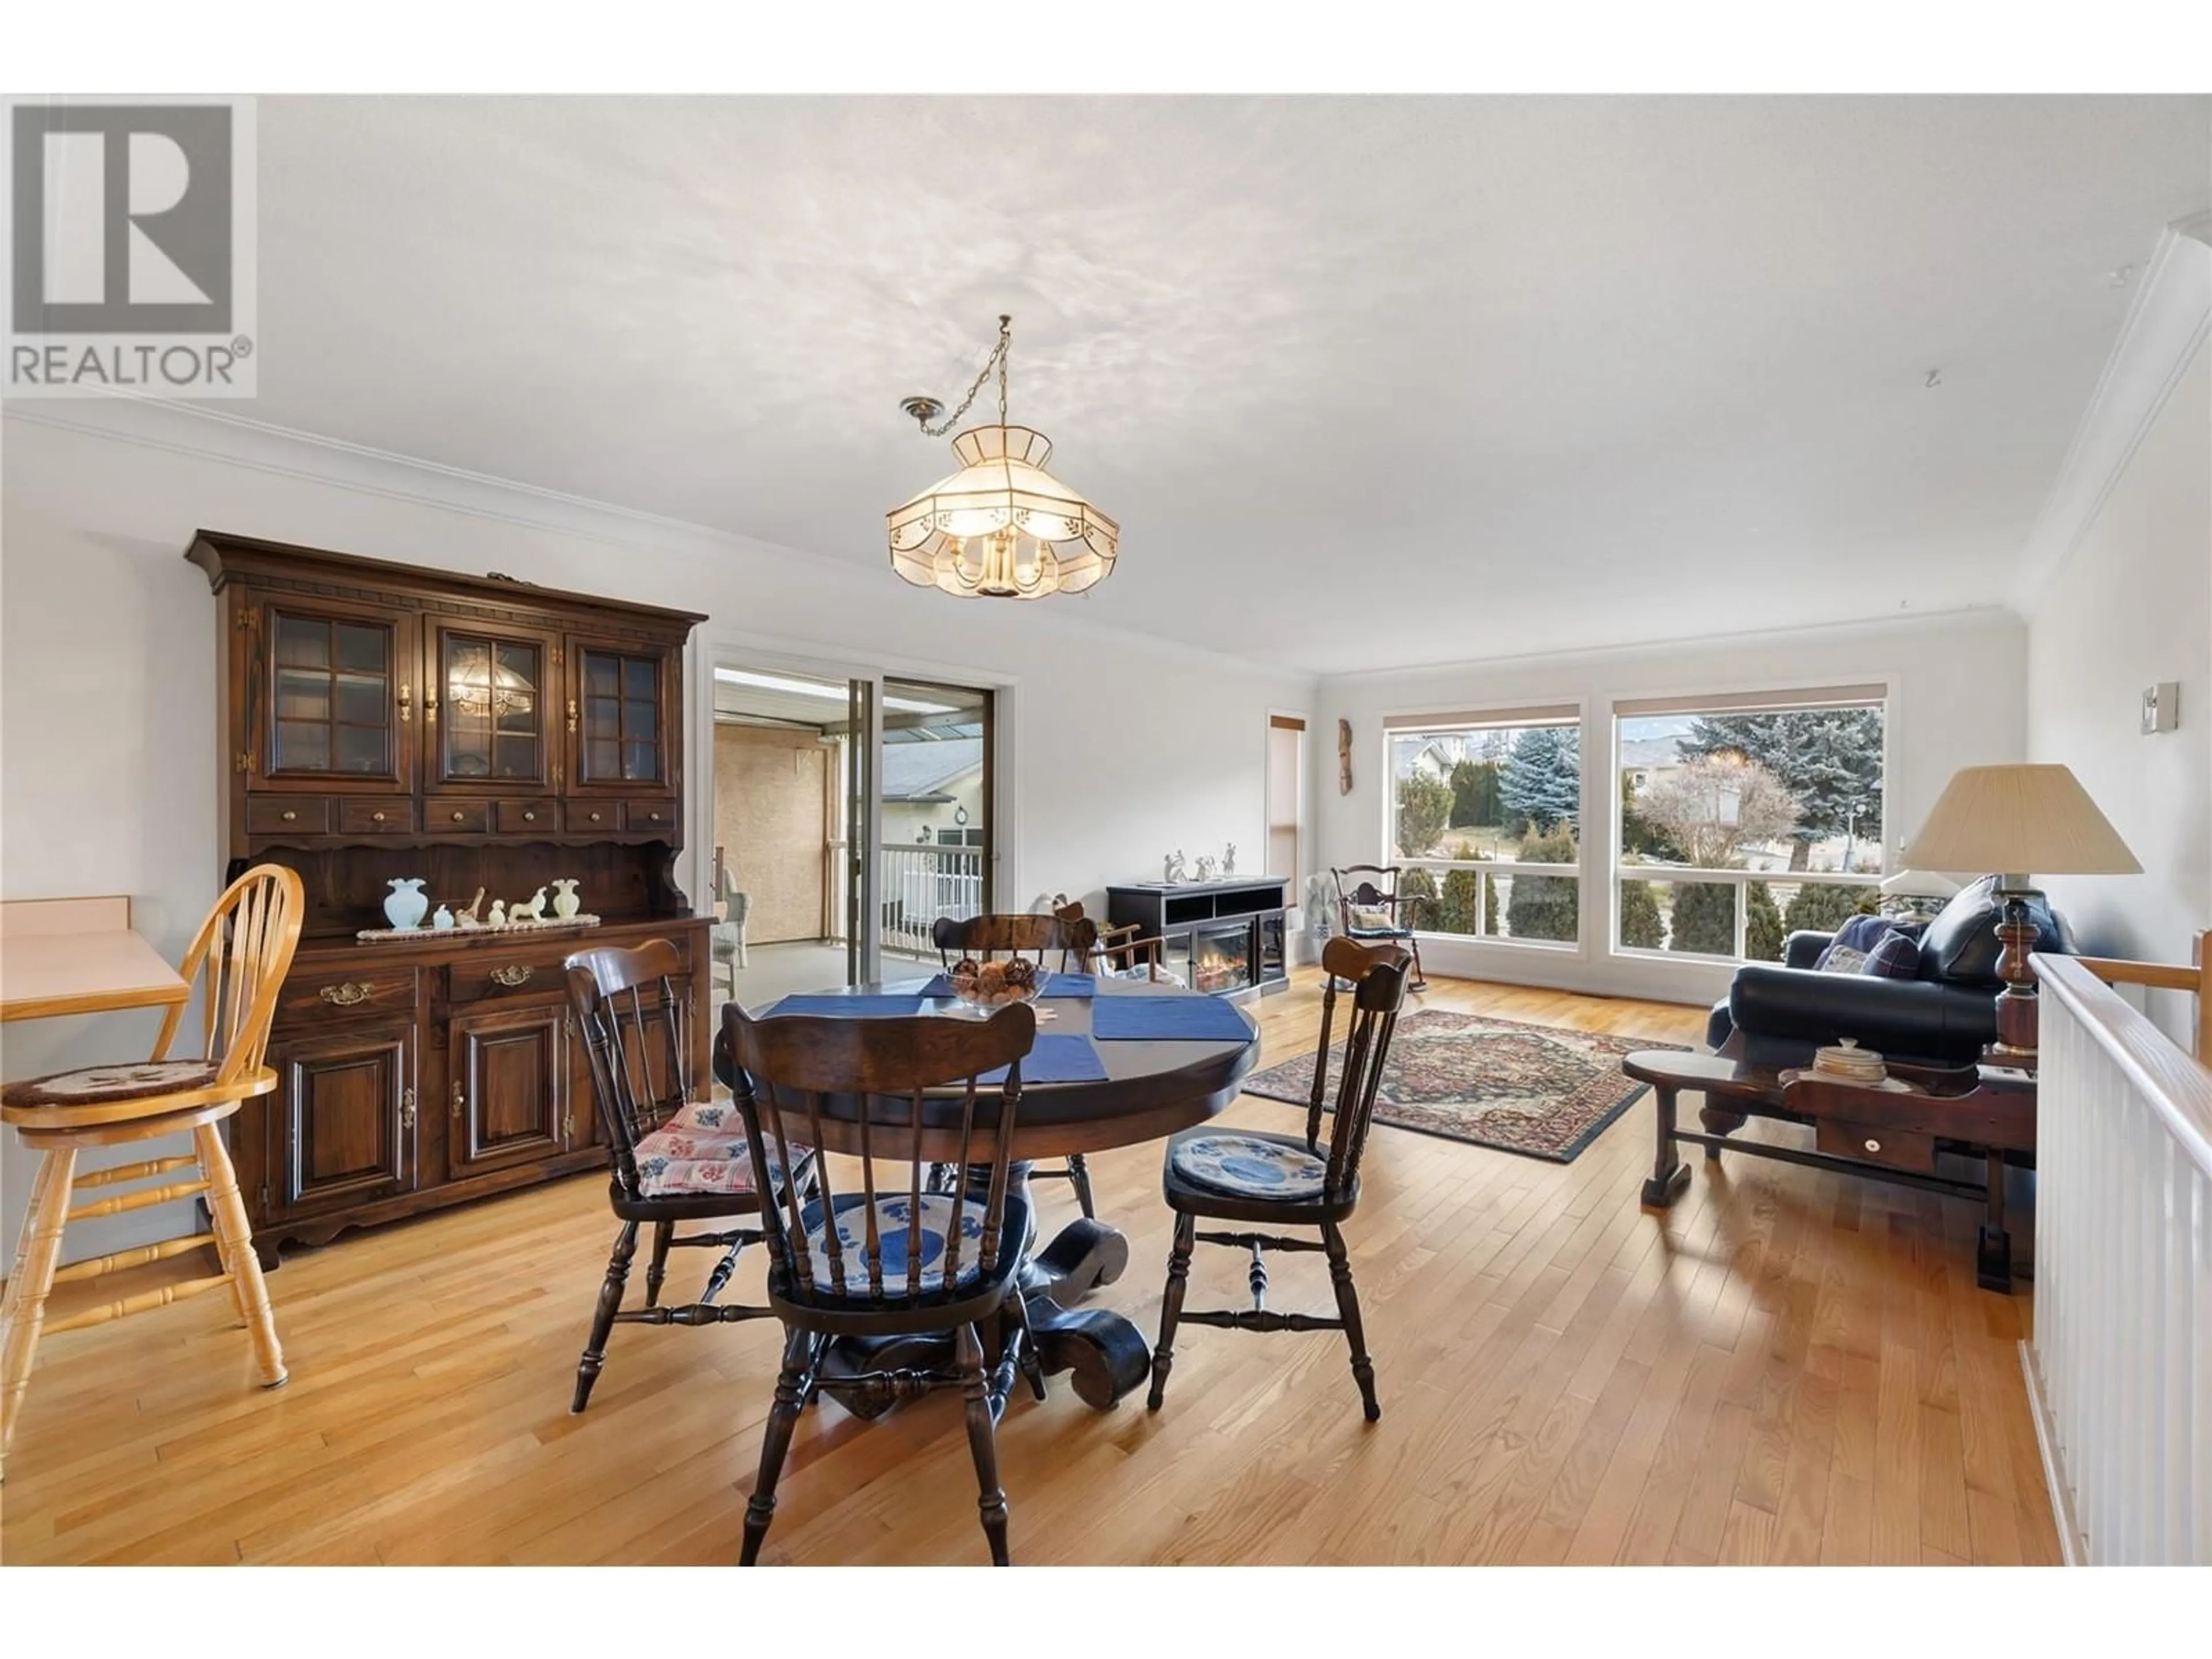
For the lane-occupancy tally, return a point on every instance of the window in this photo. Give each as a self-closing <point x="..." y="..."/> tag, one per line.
<point x="1485" y="816"/>
<point x="1774" y="801"/>
<point x="1286" y="736"/>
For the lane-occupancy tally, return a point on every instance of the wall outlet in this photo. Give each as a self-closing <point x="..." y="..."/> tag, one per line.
<point x="2162" y="707"/>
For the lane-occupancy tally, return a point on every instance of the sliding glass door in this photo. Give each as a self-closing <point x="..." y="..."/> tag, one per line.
<point x="935" y="858"/>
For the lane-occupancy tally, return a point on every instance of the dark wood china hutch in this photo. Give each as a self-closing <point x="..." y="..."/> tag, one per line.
<point x="383" y="720"/>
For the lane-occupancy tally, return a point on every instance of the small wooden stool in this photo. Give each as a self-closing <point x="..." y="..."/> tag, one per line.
<point x="246" y="947"/>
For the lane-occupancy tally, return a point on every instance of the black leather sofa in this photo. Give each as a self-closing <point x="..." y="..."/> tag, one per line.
<point x="1777" y="1015"/>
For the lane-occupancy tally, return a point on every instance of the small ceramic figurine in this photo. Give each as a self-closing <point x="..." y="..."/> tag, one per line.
<point x="534" y="910"/>
<point x="468" y="918"/>
<point x="565" y="902"/>
<point x="442" y="920"/>
<point x="498" y="917"/>
<point x="1229" y="859"/>
<point x="1206" y="866"/>
<point x="405" y="907"/>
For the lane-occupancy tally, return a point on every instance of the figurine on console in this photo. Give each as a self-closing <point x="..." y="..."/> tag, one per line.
<point x="1204" y="866"/>
<point x="532" y="911"/>
<point x="1229" y="860"/>
<point x="1171" y="871"/>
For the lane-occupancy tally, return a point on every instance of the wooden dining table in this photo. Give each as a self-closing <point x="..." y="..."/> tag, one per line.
<point x="1152" y="1089"/>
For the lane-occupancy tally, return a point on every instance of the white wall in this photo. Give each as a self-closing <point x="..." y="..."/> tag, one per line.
<point x="2131" y="605"/>
<point x="1954" y="700"/>
<point x="1121" y="747"/>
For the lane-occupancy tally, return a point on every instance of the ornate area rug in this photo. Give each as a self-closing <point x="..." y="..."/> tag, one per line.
<point x="1541" y="1091"/>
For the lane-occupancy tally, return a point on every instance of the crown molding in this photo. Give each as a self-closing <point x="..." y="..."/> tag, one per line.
<point x="209" y="434"/>
<point x="2165" y="326"/>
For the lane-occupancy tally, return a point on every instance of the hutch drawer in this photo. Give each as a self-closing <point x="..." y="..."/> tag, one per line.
<point x="593" y="817"/>
<point x="447" y="815"/>
<point x="395" y="816"/>
<point x="524" y="970"/>
<point x="324" y="992"/>
<point x="525" y="818"/>
<point x="288" y="815"/>
<point x="650" y="816"/>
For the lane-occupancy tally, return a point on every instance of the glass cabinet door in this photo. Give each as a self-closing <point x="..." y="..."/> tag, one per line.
<point x="337" y="695"/>
<point x="621" y="740"/>
<point x="492" y="706"/>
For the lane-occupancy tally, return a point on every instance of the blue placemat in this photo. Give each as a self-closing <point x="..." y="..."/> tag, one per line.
<point x="1055" y="985"/>
<point x="853" y="1007"/>
<point x="1171" y="1019"/>
<point x="1056" y="1059"/>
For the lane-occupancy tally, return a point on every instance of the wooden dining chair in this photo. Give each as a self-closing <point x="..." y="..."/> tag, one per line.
<point x="1372" y="904"/>
<point x="238" y="961"/>
<point x="893" y="1258"/>
<point x="1288" y="1181"/>
<point x="1111" y="952"/>
<point x="1034" y="937"/>
<point x="678" y="1156"/>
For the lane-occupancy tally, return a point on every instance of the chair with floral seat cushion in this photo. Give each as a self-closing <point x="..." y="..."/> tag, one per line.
<point x="676" y="1158"/>
<point x="237" y="961"/>
<point x="1373" y="906"/>
<point x="889" y="1257"/>
<point x="1276" y="1180"/>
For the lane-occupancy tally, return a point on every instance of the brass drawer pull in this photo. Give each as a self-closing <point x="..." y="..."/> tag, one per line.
<point x="595" y="817"/>
<point x="1872" y="1145"/>
<point x="376" y="818"/>
<point x="405" y="712"/>
<point x="407" y="1110"/>
<point x="288" y="815"/>
<point x="572" y="717"/>
<point x="513" y="975"/>
<point x="529" y="817"/>
<point x="346" y="993"/>
<point x="460" y="1098"/>
<point x="460" y="817"/>
<point x="653" y="818"/>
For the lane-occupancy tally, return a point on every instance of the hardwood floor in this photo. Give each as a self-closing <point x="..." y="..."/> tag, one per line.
<point x="1789" y="1366"/>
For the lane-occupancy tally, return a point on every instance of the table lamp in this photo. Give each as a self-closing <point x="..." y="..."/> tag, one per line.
<point x="2018" y="820"/>
<point x="1921" y="893"/>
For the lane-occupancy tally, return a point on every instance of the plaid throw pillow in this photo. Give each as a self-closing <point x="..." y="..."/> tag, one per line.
<point x="1847" y="951"/>
<point x="1898" y="957"/>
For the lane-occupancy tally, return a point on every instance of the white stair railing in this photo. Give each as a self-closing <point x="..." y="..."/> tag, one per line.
<point x="2120" y="1364"/>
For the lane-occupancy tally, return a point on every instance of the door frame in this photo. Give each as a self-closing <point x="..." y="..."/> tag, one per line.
<point x="711" y="648"/>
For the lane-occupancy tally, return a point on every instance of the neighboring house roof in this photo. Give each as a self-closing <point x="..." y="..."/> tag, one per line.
<point x="921" y="771"/>
<point x="1648" y="751"/>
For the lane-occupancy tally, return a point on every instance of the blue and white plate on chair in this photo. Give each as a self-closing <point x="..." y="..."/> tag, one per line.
<point x="1246" y="1166"/>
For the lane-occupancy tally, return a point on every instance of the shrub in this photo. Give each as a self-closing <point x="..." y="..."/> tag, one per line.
<point x="1455" y="904"/>
<point x="1763" y="930"/>
<point x="1823" y="906"/>
<point x="1417" y="899"/>
<point x="1642" y="928"/>
<point x="1545" y="907"/>
<point x="1705" y="919"/>
<point x="1424" y="804"/>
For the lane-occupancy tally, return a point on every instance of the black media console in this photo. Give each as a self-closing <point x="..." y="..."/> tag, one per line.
<point x="1224" y="937"/>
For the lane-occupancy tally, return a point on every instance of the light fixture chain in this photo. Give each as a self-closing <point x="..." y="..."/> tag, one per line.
<point x="997" y="360"/>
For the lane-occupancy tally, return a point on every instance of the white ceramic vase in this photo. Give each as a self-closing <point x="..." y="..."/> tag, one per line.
<point x="565" y="902"/>
<point x="407" y="903"/>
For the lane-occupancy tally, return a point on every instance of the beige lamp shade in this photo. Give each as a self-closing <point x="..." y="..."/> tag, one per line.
<point x="1919" y="883"/>
<point x="2020" y="820"/>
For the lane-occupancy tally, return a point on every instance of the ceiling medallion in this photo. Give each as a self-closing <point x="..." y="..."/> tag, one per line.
<point x="1001" y="527"/>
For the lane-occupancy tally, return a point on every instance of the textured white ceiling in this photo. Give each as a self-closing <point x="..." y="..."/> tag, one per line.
<point x="1367" y="381"/>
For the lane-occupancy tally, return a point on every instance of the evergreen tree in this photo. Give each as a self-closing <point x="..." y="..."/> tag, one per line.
<point x="1545" y="907"/>
<point x="1475" y="803"/>
<point x="1763" y="931"/>
<point x="1705" y="919"/>
<point x="1417" y="899"/>
<point x="1641" y="927"/>
<point x="1823" y="906"/>
<point x="1424" y="804"/>
<point x="1542" y="780"/>
<point x="1828" y="759"/>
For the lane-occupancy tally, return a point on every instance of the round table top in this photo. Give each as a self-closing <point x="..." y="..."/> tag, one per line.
<point x="1152" y="1089"/>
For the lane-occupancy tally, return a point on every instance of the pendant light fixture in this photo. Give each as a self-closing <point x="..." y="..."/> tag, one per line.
<point x="1000" y="527"/>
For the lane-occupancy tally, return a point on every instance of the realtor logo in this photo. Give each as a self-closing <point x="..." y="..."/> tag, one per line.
<point x="131" y="228"/>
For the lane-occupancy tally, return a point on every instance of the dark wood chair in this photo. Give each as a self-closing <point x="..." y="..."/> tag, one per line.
<point x="897" y="1260"/>
<point x="1287" y="1181"/>
<point x="1372" y="905"/>
<point x="1118" y="952"/>
<point x="1034" y="937"/>
<point x="676" y="1158"/>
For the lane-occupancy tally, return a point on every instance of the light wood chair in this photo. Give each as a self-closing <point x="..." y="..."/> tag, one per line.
<point x="243" y="950"/>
